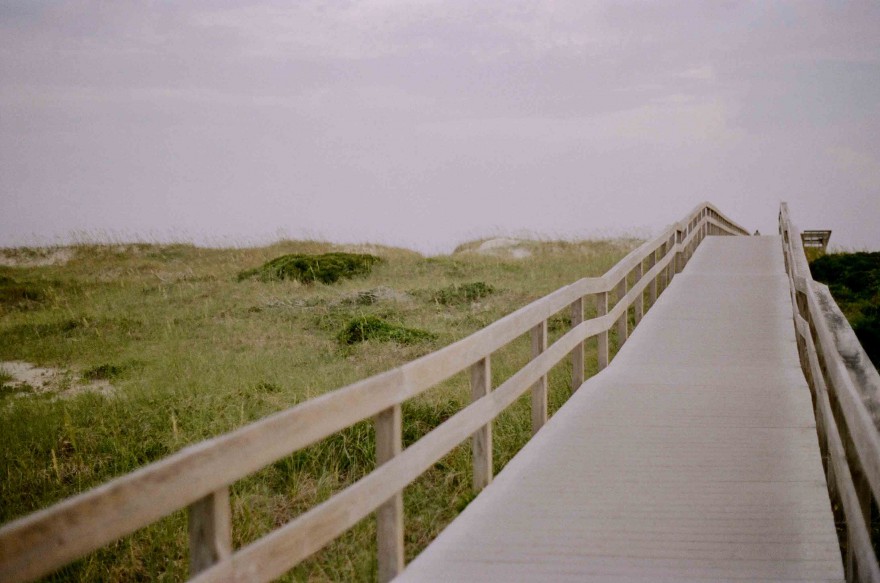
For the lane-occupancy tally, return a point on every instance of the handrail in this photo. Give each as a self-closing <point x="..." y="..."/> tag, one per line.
<point x="844" y="384"/>
<point x="198" y="477"/>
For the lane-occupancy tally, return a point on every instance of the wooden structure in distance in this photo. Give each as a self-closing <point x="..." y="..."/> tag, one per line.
<point x="816" y="239"/>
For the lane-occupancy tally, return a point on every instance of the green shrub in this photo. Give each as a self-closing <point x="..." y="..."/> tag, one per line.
<point x="850" y="276"/>
<point x="14" y="294"/>
<point x="365" y="328"/>
<point x="326" y="268"/>
<point x="854" y="281"/>
<point x="463" y="293"/>
<point x="103" y="372"/>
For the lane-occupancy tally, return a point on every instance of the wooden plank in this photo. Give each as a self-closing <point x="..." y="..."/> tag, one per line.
<point x="210" y="531"/>
<point x="860" y="551"/>
<point x="389" y="516"/>
<point x="577" y="355"/>
<point x="539" y="389"/>
<point x="481" y="443"/>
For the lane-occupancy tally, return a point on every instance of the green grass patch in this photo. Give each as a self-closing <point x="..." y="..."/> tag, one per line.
<point x="7" y="387"/>
<point x="854" y="281"/>
<point x="363" y="328"/>
<point x="462" y="293"/>
<point x="106" y="372"/>
<point x="326" y="268"/>
<point x="20" y="295"/>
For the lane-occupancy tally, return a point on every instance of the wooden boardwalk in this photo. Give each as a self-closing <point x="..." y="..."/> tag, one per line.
<point x="693" y="457"/>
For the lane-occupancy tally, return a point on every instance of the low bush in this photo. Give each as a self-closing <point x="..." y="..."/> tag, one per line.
<point x="103" y="372"/>
<point x="464" y="293"/>
<point x="365" y="328"/>
<point x="325" y="268"/>
<point x="14" y="294"/>
<point x="854" y="281"/>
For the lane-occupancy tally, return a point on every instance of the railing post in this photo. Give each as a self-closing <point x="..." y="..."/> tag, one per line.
<point x="481" y="443"/>
<point x="577" y="355"/>
<point x="210" y="531"/>
<point x="602" y="337"/>
<point x="679" y="256"/>
<point x="389" y="516"/>
<point x="623" y="322"/>
<point x="640" y="302"/>
<point x="539" y="389"/>
<point x="863" y="501"/>
<point x="663" y="276"/>
<point x="652" y="288"/>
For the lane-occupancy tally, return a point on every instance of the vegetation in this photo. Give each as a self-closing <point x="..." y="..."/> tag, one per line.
<point x="854" y="281"/>
<point x="325" y="268"/>
<point x="365" y="328"/>
<point x="464" y="293"/>
<point x="193" y="353"/>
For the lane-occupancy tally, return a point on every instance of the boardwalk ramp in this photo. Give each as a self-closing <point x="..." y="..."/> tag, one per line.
<point x="692" y="457"/>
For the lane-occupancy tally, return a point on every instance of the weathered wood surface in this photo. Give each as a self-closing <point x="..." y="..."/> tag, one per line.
<point x="389" y="516"/>
<point x="693" y="456"/>
<point x="210" y="531"/>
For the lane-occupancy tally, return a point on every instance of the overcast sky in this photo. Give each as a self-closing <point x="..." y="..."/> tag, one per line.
<point x="427" y="123"/>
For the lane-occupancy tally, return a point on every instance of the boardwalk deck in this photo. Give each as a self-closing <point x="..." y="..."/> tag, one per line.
<point x="693" y="456"/>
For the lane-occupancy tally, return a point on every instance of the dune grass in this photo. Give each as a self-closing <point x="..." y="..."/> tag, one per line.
<point x="193" y="352"/>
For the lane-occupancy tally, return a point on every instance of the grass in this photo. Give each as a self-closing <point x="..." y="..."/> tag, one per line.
<point x="193" y="353"/>
<point x="854" y="281"/>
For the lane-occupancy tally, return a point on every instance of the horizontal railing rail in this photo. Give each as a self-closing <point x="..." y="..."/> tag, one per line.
<point x="198" y="477"/>
<point x="846" y="390"/>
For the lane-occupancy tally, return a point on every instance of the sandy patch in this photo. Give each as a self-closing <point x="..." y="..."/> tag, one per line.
<point x="375" y="296"/>
<point x="505" y="247"/>
<point x="35" y="380"/>
<point x="35" y="257"/>
<point x="364" y="248"/>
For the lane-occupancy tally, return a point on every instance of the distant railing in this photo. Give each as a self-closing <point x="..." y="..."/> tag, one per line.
<point x="198" y="477"/>
<point x="846" y="397"/>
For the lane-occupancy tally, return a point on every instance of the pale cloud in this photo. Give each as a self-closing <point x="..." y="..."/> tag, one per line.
<point x="862" y="165"/>
<point x="418" y="122"/>
<point x="670" y="123"/>
<point x="702" y="73"/>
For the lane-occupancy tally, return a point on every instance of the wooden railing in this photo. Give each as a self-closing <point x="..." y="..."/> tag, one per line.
<point x="846" y="397"/>
<point x="198" y="477"/>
